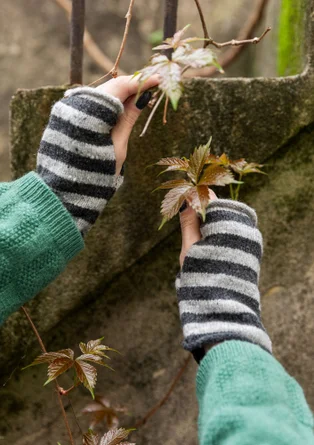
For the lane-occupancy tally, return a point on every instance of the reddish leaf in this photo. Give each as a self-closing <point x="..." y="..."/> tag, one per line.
<point x="58" y="367"/>
<point x="115" y="437"/>
<point x="173" y="201"/>
<point x="49" y="357"/>
<point x="101" y="410"/>
<point x="197" y="161"/>
<point x="95" y="347"/>
<point x="217" y="175"/>
<point x="173" y="164"/>
<point x="238" y="165"/>
<point x="245" y="168"/>
<point x="91" y="438"/>
<point x="87" y="374"/>
<point x="198" y="198"/>
<point x="173" y="184"/>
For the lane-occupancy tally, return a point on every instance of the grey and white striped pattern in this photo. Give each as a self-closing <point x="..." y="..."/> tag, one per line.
<point x="76" y="157"/>
<point x="218" y="284"/>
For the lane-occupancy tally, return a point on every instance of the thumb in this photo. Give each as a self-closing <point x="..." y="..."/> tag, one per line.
<point x="123" y="129"/>
<point x="190" y="229"/>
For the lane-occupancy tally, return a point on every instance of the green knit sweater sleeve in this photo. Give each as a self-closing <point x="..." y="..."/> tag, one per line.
<point x="38" y="237"/>
<point x="246" y="397"/>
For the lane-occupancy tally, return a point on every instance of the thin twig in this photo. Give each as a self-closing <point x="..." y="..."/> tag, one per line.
<point x="90" y="45"/>
<point x="66" y="422"/>
<point x="152" y="411"/>
<point x="114" y="70"/>
<point x="150" y="117"/>
<point x="232" y="53"/>
<point x="76" y="419"/>
<point x="234" y="42"/>
<point x="206" y="35"/>
<point x="164" y="120"/>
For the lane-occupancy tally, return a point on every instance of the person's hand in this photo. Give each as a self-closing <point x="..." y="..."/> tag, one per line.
<point x="85" y="143"/>
<point x="125" y="88"/>
<point x="217" y="287"/>
<point x="190" y="228"/>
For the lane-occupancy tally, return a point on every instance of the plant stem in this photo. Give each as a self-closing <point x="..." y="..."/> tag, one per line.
<point x="206" y="35"/>
<point x="41" y="343"/>
<point x="231" y="191"/>
<point x="176" y="379"/>
<point x="234" y="42"/>
<point x="114" y="70"/>
<point x="150" y="117"/>
<point x="232" y="53"/>
<point x="164" y="120"/>
<point x="237" y="191"/>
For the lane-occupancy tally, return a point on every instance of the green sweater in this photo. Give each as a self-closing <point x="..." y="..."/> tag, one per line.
<point x="38" y="237"/>
<point x="245" y="396"/>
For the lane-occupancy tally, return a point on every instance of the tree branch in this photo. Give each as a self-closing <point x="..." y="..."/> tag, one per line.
<point x="176" y="379"/>
<point x="234" y="42"/>
<point x="206" y="35"/>
<point x="114" y="70"/>
<point x="42" y="346"/>
<point x="231" y="54"/>
<point x="90" y="45"/>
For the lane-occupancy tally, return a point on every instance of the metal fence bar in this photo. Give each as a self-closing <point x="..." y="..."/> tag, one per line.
<point x="170" y="20"/>
<point x="76" y="41"/>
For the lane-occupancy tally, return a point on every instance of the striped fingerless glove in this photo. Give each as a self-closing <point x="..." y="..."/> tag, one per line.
<point x="76" y="157"/>
<point x="218" y="285"/>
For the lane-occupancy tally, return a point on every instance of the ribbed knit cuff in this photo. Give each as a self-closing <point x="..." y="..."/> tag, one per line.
<point x="61" y="226"/>
<point x="105" y="98"/>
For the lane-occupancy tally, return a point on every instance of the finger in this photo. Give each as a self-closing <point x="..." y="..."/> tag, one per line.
<point x="125" y="86"/>
<point x="122" y="131"/>
<point x="190" y="229"/>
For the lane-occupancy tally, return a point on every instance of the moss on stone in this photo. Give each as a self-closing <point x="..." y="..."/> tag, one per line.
<point x="291" y="44"/>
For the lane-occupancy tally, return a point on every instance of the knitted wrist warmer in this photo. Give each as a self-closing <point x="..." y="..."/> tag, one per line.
<point x="76" y="157"/>
<point x="218" y="284"/>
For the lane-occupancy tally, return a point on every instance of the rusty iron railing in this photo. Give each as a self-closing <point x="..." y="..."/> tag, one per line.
<point x="170" y="20"/>
<point x="76" y="41"/>
<point x="78" y="27"/>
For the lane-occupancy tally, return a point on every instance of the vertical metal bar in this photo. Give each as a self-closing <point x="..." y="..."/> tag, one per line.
<point x="76" y="41"/>
<point x="170" y="20"/>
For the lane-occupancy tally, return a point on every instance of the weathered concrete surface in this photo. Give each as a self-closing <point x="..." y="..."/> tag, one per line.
<point x="137" y="313"/>
<point x="246" y="117"/>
